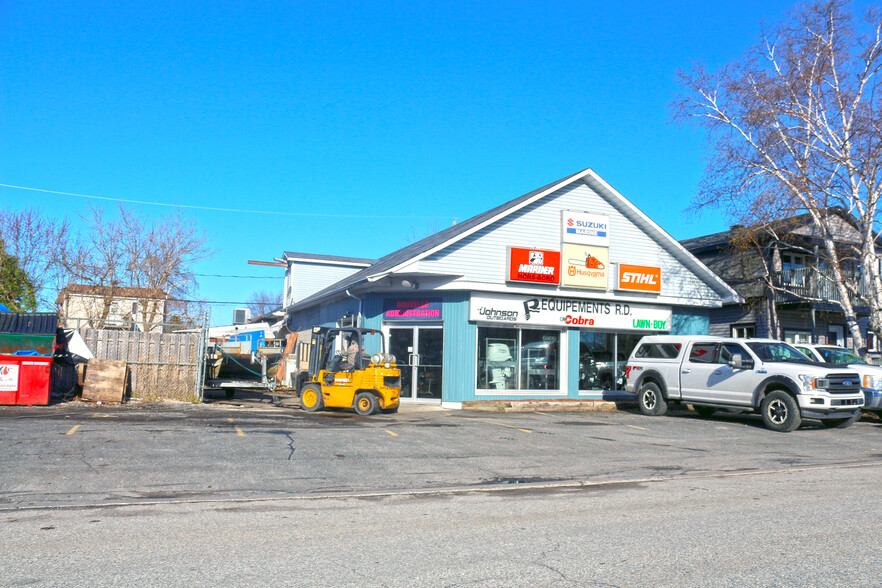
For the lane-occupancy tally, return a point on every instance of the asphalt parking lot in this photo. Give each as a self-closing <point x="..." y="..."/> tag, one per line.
<point x="85" y="454"/>
<point x="251" y="493"/>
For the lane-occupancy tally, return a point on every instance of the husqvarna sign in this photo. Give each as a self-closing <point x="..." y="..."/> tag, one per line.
<point x="584" y="228"/>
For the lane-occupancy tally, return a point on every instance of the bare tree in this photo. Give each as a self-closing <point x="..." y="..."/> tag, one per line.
<point x="35" y="240"/>
<point x="796" y="128"/>
<point x="128" y="251"/>
<point x="262" y="302"/>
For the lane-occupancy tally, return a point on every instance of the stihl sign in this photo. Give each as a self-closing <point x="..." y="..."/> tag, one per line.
<point x="639" y="278"/>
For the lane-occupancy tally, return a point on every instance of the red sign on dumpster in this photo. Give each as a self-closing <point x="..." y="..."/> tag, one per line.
<point x="24" y="380"/>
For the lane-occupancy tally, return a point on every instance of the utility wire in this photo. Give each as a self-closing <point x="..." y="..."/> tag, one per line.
<point x="242" y="277"/>
<point x="193" y="206"/>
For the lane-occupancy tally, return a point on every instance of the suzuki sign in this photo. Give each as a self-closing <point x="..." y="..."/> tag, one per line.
<point x="584" y="228"/>
<point x="639" y="278"/>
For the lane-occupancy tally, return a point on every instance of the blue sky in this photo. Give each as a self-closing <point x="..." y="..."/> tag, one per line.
<point x="423" y="111"/>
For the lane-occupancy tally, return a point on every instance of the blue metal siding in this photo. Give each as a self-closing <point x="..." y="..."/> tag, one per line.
<point x="690" y="321"/>
<point x="325" y="315"/>
<point x="572" y="363"/>
<point x="460" y="349"/>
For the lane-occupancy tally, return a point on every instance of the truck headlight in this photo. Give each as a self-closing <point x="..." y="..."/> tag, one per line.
<point x="812" y="383"/>
<point x="377" y="358"/>
<point x="872" y="382"/>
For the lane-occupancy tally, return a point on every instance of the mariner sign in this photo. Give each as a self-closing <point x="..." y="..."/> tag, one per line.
<point x="533" y="265"/>
<point x="558" y="312"/>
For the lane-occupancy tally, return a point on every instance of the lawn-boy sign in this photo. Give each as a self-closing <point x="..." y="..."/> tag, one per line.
<point x="557" y="312"/>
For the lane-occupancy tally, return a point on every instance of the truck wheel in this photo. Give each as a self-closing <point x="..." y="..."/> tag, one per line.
<point x="840" y="423"/>
<point x="780" y="412"/>
<point x="650" y="400"/>
<point x="366" y="403"/>
<point x="704" y="411"/>
<point x="311" y="398"/>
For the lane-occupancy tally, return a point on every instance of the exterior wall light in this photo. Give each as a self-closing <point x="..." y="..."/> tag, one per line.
<point x="410" y="284"/>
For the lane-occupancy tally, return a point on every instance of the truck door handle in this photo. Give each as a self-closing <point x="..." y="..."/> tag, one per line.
<point x="686" y="372"/>
<point x="718" y="372"/>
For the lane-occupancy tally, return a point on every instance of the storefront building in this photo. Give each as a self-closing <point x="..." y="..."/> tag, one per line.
<point x="542" y="297"/>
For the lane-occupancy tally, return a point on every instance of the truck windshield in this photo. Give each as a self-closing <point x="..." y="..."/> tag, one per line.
<point x="778" y="352"/>
<point x="839" y="356"/>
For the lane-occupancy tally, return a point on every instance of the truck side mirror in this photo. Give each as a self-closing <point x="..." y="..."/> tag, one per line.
<point x="735" y="362"/>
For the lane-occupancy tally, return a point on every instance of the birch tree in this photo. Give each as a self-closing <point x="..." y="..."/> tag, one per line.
<point x="795" y="128"/>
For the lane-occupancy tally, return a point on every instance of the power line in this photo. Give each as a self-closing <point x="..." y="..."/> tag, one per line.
<point x="193" y="206"/>
<point x="242" y="277"/>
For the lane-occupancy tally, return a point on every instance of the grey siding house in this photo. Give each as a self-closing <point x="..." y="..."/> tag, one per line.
<point x="788" y="291"/>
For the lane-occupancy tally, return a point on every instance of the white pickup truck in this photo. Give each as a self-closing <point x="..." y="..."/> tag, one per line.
<point x="760" y="375"/>
<point x="871" y="375"/>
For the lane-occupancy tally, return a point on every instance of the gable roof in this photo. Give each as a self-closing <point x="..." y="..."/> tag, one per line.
<point x="786" y="225"/>
<point x="118" y="292"/>
<point x="446" y="237"/>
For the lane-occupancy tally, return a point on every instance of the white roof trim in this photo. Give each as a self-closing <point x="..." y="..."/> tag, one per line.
<point x="291" y="260"/>
<point x="686" y="258"/>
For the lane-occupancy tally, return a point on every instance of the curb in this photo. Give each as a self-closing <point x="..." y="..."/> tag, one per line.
<point x="534" y="405"/>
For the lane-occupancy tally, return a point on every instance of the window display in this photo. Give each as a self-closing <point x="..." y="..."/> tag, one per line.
<point x="518" y="359"/>
<point x="602" y="359"/>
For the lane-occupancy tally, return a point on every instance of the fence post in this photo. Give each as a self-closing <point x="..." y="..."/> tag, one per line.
<point x="200" y="357"/>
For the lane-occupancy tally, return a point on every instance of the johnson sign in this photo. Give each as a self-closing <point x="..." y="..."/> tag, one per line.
<point x="639" y="278"/>
<point x="533" y="265"/>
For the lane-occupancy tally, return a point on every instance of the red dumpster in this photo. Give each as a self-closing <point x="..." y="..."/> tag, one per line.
<point x="24" y="380"/>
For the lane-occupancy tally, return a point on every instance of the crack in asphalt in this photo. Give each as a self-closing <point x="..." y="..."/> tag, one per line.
<point x="453" y="490"/>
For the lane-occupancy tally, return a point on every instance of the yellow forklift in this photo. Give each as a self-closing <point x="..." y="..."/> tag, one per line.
<point x="342" y="375"/>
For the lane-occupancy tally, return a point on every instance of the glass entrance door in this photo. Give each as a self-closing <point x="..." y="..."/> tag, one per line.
<point x="419" y="351"/>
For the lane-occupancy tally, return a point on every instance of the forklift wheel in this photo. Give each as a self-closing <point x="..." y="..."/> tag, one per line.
<point x="366" y="403"/>
<point x="311" y="398"/>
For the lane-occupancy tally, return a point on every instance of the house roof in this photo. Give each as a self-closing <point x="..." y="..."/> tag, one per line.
<point x="118" y="292"/>
<point x="444" y="238"/>
<point x="27" y="323"/>
<point x="724" y="238"/>
<point x="328" y="259"/>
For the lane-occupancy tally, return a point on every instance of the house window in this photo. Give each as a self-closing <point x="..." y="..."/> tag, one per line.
<point x="792" y="269"/>
<point x="795" y="337"/>
<point x="744" y="331"/>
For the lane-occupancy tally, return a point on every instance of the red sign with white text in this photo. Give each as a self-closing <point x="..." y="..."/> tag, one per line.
<point x="533" y="265"/>
<point x="639" y="278"/>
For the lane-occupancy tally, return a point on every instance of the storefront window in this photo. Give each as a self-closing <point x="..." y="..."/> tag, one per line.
<point x="540" y="359"/>
<point x="602" y="359"/>
<point x="626" y="344"/>
<point x="497" y="358"/>
<point x="595" y="360"/>
<point x="518" y="359"/>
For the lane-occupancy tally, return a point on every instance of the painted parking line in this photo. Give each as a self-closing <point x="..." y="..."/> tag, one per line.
<point x="98" y="415"/>
<point x="504" y="425"/>
<point x="73" y="430"/>
<point x="636" y="427"/>
<point x="391" y="433"/>
<point x="239" y="432"/>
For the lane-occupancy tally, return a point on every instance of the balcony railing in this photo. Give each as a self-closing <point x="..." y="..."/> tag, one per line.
<point x="810" y="284"/>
